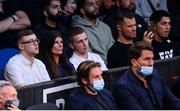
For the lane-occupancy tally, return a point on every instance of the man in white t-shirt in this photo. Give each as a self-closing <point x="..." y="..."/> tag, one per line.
<point x="78" y="41"/>
<point x="23" y="68"/>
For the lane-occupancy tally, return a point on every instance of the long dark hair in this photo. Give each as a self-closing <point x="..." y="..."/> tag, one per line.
<point x="46" y="45"/>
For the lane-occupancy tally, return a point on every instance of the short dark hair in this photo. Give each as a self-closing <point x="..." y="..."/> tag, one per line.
<point x="157" y="15"/>
<point x="137" y="48"/>
<point x="80" y="4"/>
<point x="45" y="4"/>
<point x="84" y="69"/>
<point x="121" y="14"/>
<point x="74" y="31"/>
<point x="23" y="33"/>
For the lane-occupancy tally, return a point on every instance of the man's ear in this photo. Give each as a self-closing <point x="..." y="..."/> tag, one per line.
<point x="1" y="101"/>
<point x="21" y="46"/>
<point x="45" y="13"/>
<point x="82" y="11"/>
<point x="84" y="81"/>
<point x="133" y="62"/>
<point x="118" y="27"/>
<point x="71" y="45"/>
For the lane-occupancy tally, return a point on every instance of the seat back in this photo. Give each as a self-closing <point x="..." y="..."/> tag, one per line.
<point x="43" y="106"/>
<point x="5" y="55"/>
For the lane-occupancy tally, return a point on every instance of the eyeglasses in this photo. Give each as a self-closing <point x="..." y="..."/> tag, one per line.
<point x="31" y="41"/>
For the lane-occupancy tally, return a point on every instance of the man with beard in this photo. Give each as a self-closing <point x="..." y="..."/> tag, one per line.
<point x="91" y="95"/>
<point x="99" y="34"/>
<point x="23" y="68"/>
<point x="130" y="5"/>
<point x="163" y="46"/>
<point x="126" y="26"/>
<point x="53" y="14"/>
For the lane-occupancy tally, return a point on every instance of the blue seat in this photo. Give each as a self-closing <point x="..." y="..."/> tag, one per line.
<point x="5" y="55"/>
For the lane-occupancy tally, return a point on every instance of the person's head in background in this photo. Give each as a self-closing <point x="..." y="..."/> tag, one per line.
<point x="8" y="93"/>
<point x="126" y="26"/>
<point x="142" y="58"/>
<point x="78" y="41"/>
<point x="51" y="10"/>
<point x="126" y="5"/>
<point x="89" y="75"/>
<point x="162" y="24"/>
<point x="88" y="9"/>
<point x="106" y="3"/>
<point x="28" y="44"/>
<point x="53" y="55"/>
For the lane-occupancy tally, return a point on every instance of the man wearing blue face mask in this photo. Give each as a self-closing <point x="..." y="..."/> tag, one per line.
<point x="8" y="96"/>
<point x="91" y="94"/>
<point x="142" y="87"/>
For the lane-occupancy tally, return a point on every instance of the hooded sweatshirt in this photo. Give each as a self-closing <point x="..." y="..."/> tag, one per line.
<point x="99" y="35"/>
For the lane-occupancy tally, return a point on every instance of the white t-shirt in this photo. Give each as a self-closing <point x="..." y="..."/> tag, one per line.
<point x="19" y="71"/>
<point x="76" y="60"/>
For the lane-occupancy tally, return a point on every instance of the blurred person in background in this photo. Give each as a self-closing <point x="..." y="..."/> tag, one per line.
<point x="12" y="20"/>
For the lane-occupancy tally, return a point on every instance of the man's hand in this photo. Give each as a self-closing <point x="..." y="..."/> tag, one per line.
<point x="69" y="8"/>
<point x="13" y="108"/>
<point x="148" y="36"/>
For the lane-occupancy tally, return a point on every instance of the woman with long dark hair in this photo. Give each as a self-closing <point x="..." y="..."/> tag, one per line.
<point x="52" y="53"/>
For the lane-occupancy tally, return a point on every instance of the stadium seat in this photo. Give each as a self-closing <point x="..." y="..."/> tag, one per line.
<point x="5" y="55"/>
<point x="43" y="106"/>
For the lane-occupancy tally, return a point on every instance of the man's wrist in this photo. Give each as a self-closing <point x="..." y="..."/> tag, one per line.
<point x="14" y="17"/>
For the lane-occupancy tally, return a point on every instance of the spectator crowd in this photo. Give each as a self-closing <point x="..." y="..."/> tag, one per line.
<point x="60" y="38"/>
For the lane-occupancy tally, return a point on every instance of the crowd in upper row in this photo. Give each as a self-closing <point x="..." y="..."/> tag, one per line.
<point x="65" y="33"/>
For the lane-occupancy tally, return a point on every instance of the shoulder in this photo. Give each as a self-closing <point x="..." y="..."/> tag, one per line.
<point x="78" y="94"/>
<point x="38" y="62"/>
<point x="123" y="80"/>
<point x="15" y="59"/>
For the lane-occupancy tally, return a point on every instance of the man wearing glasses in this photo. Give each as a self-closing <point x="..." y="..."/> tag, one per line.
<point x="24" y="69"/>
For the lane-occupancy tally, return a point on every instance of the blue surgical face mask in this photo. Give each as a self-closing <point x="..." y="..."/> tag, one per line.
<point x="146" y="70"/>
<point x="98" y="85"/>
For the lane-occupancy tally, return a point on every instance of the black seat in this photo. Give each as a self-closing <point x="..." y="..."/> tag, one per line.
<point x="43" y="106"/>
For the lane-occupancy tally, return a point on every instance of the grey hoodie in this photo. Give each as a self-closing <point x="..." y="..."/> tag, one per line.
<point x="99" y="35"/>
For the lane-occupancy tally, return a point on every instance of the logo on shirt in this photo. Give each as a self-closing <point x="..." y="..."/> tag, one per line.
<point x="166" y="54"/>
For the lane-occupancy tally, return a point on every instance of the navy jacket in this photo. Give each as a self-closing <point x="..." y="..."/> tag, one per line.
<point x="130" y="93"/>
<point x="80" y="100"/>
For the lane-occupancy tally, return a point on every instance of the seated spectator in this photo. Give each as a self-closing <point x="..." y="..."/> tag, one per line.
<point x="8" y="93"/>
<point x="12" y="20"/>
<point x="78" y="41"/>
<point x="53" y="55"/>
<point x="23" y="68"/>
<point x="142" y="87"/>
<point x="99" y="34"/>
<point x="123" y="5"/>
<point x="163" y="47"/>
<point x="126" y="26"/>
<point x="91" y="94"/>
